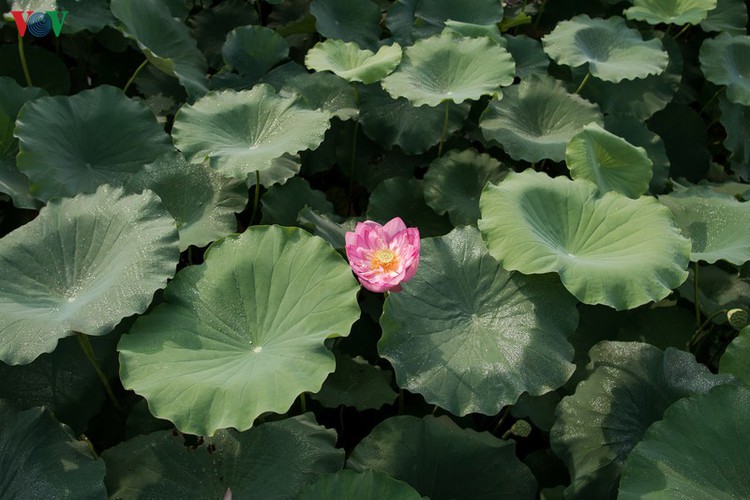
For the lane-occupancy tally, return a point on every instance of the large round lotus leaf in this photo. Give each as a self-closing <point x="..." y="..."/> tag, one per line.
<point x="401" y="197"/>
<point x="42" y="458"/>
<point x="736" y="359"/>
<point x="701" y="449"/>
<point x="282" y="203"/>
<point x="471" y="30"/>
<point x="717" y="224"/>
<point x="81" y="266"/>
<point x="613" y="51"/>
<point x="165" y="41"/>
<point x="253" y="50"/>
<point x="670" y="11"/>
<point x="355" y="21"/>
<point x="243" y="333"/>
<point x="725" y="60"/>
<point x="279" y="171"/>
<point x="440" y="460"/>
<point x="471" y="337"/>
<point x="273" y="460"/>
<point x="608" y="249"/>
<point x="637" y="133"/>
<point x="736" y="121"/>
<point x="536" y="119"/>
<point x="70" y="145"/>
<point x="210" y="27"/>
<point x="641" y="97"/>
<point x="324" y="91"/>
<point x="628" y="388"/>
<point x="529" y="56"/>
<point x="202" y="202"/>
<point x="243" y="131"/>
<point x="428" y="17"/>
<point x="64" y="381"/>
<point x="445" y="68"/>
<point x="729" y="16"/>
<point x="351" y="63"/>
<point x="366" y="485"/>
<point x="396" y="122"/>
<point x="13" y="182"/>
<point x="609" y="161"/>
<point x="454" y="183"/>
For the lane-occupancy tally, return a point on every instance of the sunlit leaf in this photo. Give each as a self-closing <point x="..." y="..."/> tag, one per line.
<point x="725" y="60"/>
<point x="670" y="11"/>
<point x="351" y="63"/>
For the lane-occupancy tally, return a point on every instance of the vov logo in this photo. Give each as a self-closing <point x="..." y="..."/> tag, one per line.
<point x="39" y="23"/>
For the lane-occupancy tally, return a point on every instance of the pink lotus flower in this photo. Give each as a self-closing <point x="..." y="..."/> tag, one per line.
<point x="383" y="257"/>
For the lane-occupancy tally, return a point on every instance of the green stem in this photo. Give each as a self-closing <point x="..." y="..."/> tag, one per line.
<point x="22" y="55"/>
<point x="134" y="75"/>
<point x="89" y="352"/>
<point x="445" y="129"/>
<point x="502" y="419"/>
<point x="354" y="139"/>
<point x="696" y="300"/>
<point x="256" y="197"/>
<point x="303" y="403"/>
<point x="538" y="16"/>
<point x="583" y="83"/>
<point x="683" y="30"/>
<point x="716" y="94"/>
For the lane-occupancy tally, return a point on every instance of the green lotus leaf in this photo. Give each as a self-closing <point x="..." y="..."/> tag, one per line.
<point x="355" y="21"/>
<point x="718" y="291"/>
<point x="71" y="145"/>
<point x="13" y="182"/>
<point x="90" y="15"/>
<point x="81" y="266"/>
<point x="717" y="224"/>
<point x="471" y="337"/>
<point x="400" y="21"/>
<point x="440" y="460"/>
<point x="282" y="203"/>
<point x="729" y="16"/>
<point x="641" y="97"/>
<point x="637" y="133"/>
<point x="165" y="41"/>
<point x="396" y="122"/>
<point x="241" y="132"/>
<point x="330" y="227"/>
<point x="241" y="334"/>
<point x="201" y="201"/>
<point x="454" y="183"/>
<point x="42" y="456"/>
<point x="608" y="249"/>
<point x="322" y="91"/>
<point x="430" y="16"/>
<point x="366" y="485"/>
<point x="629" y="387"/>
<point x="725" y="60"/>
<point x="736" y="121"/>
<point x="443" y="68"/>
<point x="401" y="197"/>
<point x="64" y="381"/>
<point x="677" y="12"/>
<point x="471" y="30"/>
<point x="351" y="63"/>
<point x="613" y="51"/>
<point x="735" y="359"/>
<point x="699" y="450"/>
<point x="538" y="409"/>
<point x="273" y="460"/>
<point x="356" y="383"/>
<point x="48" y="71"/>
<point x="210" y="27"/>
<point x="253" y="50"/>
<point x="536" y="119"/>
<point x="529" y="56"/>
<point x="278" y="171"/>
<point x="609" y="161"/>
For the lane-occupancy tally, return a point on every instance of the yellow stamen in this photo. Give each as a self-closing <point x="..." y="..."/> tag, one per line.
<point x="385" y="259"/>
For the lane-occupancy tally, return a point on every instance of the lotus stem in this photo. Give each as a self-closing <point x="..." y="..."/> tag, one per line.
<point x="22" y="56"/>
<point x="256" y="197"/>
<point x="583" y="82"/>
<point x="696" y="300"/>
<point x="445" y="129"/>
<point x="133" y="76"/>
<point x="683" y="30"/>
<point x="89" y="352"/>
<point x="303" y="403"/>
<point x="713" y="98"/>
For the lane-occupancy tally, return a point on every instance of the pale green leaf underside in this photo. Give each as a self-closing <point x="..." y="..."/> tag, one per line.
<point x="471" y="337"/>
<point x="613" y="51"/>
<point x="243" y="333"/>
<point x="629" y="386"/>
<point x="700" y="449"/>
<point x="71" y="145"/>
<point x="717" y="224"/>
<point x="81" y="266"/>
<point x="536" y="119"/>
<point x="677" y="12"/>
<point x="444" y="68"/>
<point x="609" y="161"/>
<point x="608" y="249"/>
<point x="241" y="132"/>
<point x="725" y="60"/>
<point x="351" y="63"/>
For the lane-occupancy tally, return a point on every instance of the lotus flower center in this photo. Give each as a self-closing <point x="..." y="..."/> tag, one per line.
<point x="385" y="259"/>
